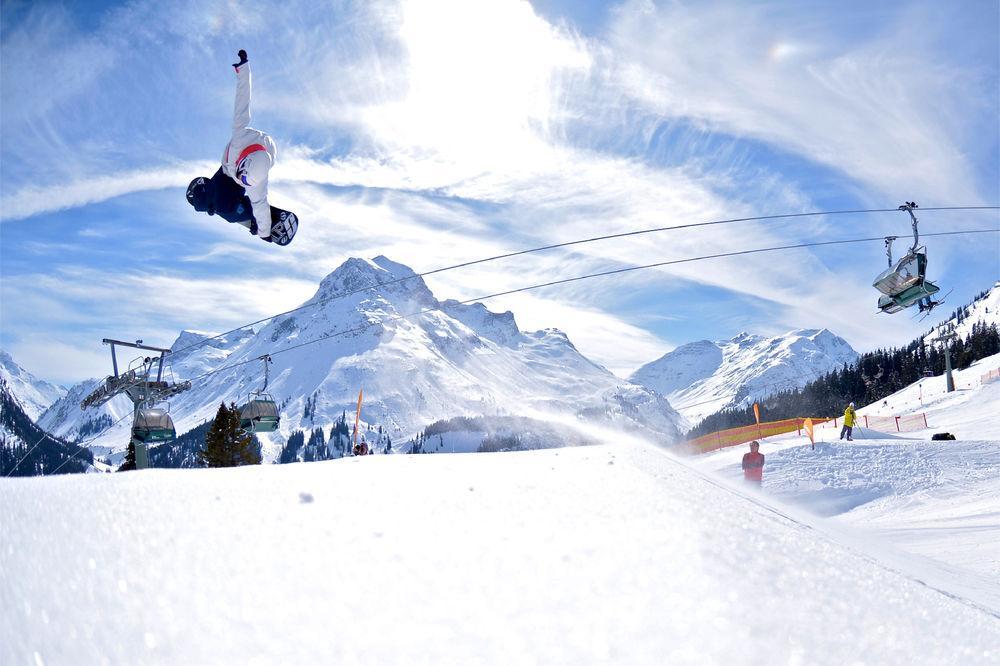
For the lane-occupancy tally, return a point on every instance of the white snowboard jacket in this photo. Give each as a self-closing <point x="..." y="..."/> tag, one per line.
<point x="245" y="141"/>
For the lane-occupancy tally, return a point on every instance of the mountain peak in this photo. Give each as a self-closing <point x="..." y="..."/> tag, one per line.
<point x="500" y="327"/>
<point x="33" y="394"/>
<point x="380" y="274"/>
<point x="745" y="339"/>
<point x="701" y="377"/>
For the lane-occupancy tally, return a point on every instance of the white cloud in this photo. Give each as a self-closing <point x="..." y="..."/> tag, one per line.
<point x="885" y="109"/>
<point x="75" y="309"/>
<point x="32" y="200"/>
<point x="59" y="361"/>
<point x="478" y="128"/>
<point x="614" y="343"/>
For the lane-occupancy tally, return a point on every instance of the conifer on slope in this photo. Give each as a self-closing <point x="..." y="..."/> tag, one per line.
<point x="226" y="444"/>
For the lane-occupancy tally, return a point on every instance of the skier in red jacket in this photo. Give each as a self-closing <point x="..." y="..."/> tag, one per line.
<point x="753" y="464"/>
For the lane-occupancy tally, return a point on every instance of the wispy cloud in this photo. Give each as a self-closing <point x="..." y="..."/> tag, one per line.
<point x="886" y="106"/>
<point x="33" y="200"/>
<point x="74" y="309"/>
<point x="438" y="132"/>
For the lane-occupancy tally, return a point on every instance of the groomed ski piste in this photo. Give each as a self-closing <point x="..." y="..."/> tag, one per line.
<point x="615" y="553"/>
<point x="936" y="502"/>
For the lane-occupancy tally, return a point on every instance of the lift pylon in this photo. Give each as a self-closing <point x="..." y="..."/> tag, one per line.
<point x="149" y="424"/>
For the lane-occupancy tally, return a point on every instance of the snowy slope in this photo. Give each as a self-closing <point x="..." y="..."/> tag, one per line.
<point x="34" y="394"/>
<point x="985" y="309"/>
<point x="702" y="377"/>
<point x="938" y="500"/>
<point x="608" y="554"/>
<point x="968" y="412"/>
<point x="448" y="360"/>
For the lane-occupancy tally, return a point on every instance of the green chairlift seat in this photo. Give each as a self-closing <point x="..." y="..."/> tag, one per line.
<point x="260" y="414"/>
<point x="904" y="284"/>
<point x="153" y="426"/>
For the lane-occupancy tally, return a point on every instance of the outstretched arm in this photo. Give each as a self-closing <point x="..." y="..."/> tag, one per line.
<point x="241" y="110"/>
<point x="261" y="209"/>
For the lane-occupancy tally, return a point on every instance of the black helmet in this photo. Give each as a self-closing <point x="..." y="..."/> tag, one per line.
<point x="199" y="195"/>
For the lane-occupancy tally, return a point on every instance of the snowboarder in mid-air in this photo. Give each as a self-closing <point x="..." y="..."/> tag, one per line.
<point x="238" y="190"/>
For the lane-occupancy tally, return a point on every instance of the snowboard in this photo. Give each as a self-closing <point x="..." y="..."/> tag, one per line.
<point x="284" y="225"/>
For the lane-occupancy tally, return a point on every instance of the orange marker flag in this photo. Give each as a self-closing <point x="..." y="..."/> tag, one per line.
<point x="756" y="412"/>
<point x="808" y="425"/>
<point x="357" y="417"/>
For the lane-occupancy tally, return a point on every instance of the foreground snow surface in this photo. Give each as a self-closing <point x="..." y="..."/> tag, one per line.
<point x="609" y="554"/>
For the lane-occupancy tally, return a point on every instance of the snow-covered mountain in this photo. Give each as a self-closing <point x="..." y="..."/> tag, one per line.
<point x="702" y="377"/>
<point x="985" y="308"/>
<point x="25" y="449"/>
<point x="448" y="359"/>
<point x="34" y="395"/>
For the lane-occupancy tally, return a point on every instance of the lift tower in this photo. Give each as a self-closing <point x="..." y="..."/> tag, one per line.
<point x="945" y="339"/>
<point x="142" y="390"/>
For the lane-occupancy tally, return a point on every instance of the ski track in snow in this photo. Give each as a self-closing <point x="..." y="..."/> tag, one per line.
<point x="606" y="554"/>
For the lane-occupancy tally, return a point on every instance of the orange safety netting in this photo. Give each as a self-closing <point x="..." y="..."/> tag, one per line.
<point x="734" y="436"/>
<point x="911" y="422"/>
<point x="881" y="423"/>
<point x="905" y="423"/>
<point x="991" y="376"/>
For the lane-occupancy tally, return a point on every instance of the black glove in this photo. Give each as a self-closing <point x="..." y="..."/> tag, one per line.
<point x="243" y="58"/>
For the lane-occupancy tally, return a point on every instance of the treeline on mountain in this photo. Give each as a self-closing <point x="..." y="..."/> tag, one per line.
<point x="499" y="433"/>
<point x="338" y="444"/>
<point x="875" y="376"/>
<point x="51" y="453"/>
<point x="185" y="451"/>
<point x="199" y="447"/>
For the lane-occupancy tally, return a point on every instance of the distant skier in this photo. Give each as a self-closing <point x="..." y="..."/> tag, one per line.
<point x="238" y="190"/>
<point x="849" y="418"/>
<point x="753" y="464"/>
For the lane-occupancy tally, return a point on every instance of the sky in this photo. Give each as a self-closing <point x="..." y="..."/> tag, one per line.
<point x="439" y="132"/>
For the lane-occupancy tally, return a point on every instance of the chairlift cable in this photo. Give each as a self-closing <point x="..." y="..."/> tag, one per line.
<point x="616" y="271"/>
<point x="582" y="241"/>
<point x="70" y="457"/>
<point x="80" y="444"/>
<point x="578" y="278"/>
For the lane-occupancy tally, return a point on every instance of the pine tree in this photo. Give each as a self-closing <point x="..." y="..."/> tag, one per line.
<point x="129" y="463"/>
<point x="226" y="444"/>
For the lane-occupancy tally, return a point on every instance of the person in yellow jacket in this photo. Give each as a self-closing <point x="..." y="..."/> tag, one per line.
<point x="849" y="418"/>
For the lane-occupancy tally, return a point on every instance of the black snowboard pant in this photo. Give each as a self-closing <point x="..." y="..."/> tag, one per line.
<point x="847" y="430"/>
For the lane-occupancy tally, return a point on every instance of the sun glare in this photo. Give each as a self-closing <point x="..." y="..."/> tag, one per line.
<point x="473" y="93"/>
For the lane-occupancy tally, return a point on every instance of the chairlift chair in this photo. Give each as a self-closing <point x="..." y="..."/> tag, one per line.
<point x="153" y="425"/>
<point x="260" y="414"/>
<point x="904" y="283"/>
